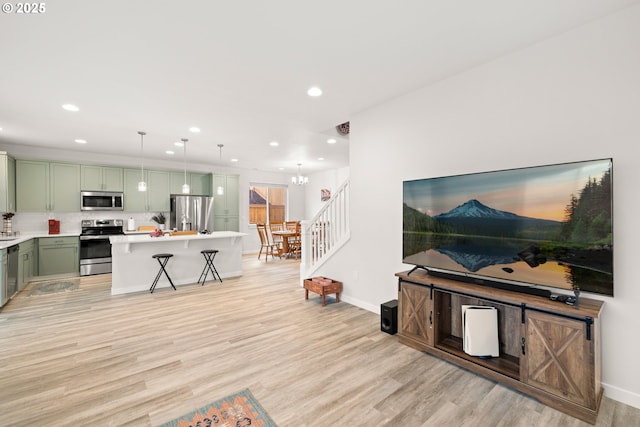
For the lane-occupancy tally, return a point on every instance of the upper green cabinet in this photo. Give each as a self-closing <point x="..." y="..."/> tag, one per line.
<point x="38" y="186"/>
<point x="225" y="192"/>
<point x="155" y="199"/>
<point x="226" y="203"/>
<point x="46" y="187"/>
<point x="158" y="191"/>
<point x="7" y="183"/>
<point x="101" y="178"/>
<point x="199" y="183"/>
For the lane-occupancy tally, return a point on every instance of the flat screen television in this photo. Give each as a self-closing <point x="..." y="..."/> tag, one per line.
<point x="526" y="229"/>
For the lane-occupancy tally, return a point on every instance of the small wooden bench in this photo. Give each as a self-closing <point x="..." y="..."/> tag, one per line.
<point x="322" y="286"/>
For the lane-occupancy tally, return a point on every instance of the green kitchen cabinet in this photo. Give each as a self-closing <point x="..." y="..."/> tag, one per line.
<point x="176" y="180"/>
<point x="226" y="202"/>
<point x="32" y="186"/>
<point x="47" y="187"/>
<point x="26" y="262"/>
<point x="101" y="178"/>
<point x="134" y="200"/>
<point x="226" y="223"/>
<point x="158" y="191"/>
<point x="3" y="276"/>
<point x="199" y="183"/>
<point x="155" y="199"/>
<point x="7" y="183"/>
<point x="58" y="255"/>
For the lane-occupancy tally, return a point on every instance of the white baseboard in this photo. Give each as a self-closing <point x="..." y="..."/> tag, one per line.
<point x="621" y="395"/>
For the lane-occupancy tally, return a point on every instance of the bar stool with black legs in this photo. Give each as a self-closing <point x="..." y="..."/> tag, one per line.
<point x="209" y="255"/>
<point x="163" y="259"/>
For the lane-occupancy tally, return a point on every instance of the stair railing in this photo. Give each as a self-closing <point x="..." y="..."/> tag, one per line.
<point x="327" y="231"/>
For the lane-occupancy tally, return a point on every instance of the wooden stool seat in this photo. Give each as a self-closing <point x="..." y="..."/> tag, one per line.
<point x="163" y="259"/>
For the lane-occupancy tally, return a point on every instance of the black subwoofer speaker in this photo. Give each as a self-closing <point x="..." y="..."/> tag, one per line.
<point x="389" y="317"/>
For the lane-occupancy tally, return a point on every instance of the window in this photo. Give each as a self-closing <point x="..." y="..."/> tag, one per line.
<point x="267" y="203"/>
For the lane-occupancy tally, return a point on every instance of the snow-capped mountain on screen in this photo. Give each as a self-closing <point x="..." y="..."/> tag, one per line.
<point x="475" y="209"/>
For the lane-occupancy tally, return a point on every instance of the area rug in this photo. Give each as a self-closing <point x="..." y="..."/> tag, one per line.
<point x="237" y="410"/>
<point x="47" y="288"/>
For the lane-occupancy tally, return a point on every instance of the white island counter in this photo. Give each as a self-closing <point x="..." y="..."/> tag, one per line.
<point x="133" y="268"/>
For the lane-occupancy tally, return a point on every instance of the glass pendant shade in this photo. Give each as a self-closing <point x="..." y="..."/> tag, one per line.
<point x="185" y="186"/>
<point x="142" y="186"/>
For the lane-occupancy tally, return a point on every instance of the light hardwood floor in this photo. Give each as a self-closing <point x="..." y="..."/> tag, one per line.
<point x="85" y="357"/>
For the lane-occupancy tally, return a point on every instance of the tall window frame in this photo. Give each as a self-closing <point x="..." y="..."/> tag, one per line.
<point x="267" y="203"/>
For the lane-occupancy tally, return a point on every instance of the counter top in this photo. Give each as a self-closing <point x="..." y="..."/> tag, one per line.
<point x="146" y="237"/>
<point x="7" y="242"/>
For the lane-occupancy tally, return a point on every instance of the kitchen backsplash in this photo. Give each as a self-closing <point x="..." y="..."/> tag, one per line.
<point x="38" y="222"/>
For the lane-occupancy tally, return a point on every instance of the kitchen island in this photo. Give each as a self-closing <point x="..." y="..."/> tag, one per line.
<point x="133" y="268"/>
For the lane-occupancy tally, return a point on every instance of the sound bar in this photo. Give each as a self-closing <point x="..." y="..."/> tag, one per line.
<point x="523" y="289"/>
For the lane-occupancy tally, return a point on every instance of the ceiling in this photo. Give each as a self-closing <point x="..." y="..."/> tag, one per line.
<point x="240" y="70"/>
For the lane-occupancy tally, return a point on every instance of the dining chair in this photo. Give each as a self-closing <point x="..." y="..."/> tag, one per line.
<point x="295" y="242"/>
<point x="265" y="243"/>
<point x="291" y="225"/>
<point x="276" y="226"/>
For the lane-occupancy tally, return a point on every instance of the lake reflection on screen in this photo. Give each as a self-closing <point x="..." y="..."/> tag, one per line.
<point x="500" y="259"/>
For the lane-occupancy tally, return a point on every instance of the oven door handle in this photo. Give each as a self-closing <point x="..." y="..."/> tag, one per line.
<point x="94" y="237"/>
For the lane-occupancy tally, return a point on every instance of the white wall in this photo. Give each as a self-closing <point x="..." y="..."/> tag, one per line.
<point x="571" y="97"/>
<point x="331" y="180"/>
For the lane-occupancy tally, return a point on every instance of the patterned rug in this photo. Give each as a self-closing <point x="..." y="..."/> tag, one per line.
<point x="237" y="410"/>
<point x="54" y="287"/>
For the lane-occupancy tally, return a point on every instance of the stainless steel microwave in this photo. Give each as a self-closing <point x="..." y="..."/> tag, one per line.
<point x="101" y="201"/>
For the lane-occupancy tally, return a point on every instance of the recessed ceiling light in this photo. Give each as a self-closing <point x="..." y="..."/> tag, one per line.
<point x="321" y="158"/>
<point x="178" y="144"/>
<point x="274" y="143"/>
<point x="314" y="91"/>
<point x="331" y="141"/>
<point x="70" y="107"/>
<point x="80" y="141"/>
<point x="280" y="169"/>
<point x="194" y="129"/>
<point x="169" y="152"/>
<point x="234" y="160"/>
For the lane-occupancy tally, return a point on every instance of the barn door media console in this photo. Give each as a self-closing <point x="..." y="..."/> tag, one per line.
<point x="548" y="350"/>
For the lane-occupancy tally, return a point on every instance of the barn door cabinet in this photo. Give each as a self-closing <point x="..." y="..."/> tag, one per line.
<point x="548" y="349"/>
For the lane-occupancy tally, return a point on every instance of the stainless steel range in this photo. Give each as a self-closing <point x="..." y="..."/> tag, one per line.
<point x="95" y="249"/>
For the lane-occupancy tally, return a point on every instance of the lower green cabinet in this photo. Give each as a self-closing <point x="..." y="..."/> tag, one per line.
<point x="26" y="262"/>
<point x="58" y="255"/>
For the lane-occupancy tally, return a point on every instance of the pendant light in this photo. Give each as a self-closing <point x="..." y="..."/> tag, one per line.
<point x="299" y="180"/>
<point x="142" y="186"/>
<point x="220" y="188"/>
<point x="185" y="186"/>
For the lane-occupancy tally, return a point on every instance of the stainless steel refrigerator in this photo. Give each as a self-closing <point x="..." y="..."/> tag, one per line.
<point x="191" y="212"/>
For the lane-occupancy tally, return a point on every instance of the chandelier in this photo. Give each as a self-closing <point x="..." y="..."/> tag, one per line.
<point x="299" y="179"/>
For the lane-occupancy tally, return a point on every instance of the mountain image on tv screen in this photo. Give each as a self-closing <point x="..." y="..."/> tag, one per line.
<point x="546" y="225"/>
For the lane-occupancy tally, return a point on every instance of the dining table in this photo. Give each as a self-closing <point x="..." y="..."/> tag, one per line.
<point x="286" y="236"/>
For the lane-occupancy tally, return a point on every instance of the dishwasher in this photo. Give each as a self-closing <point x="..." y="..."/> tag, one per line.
<point x="12" y="271"/>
